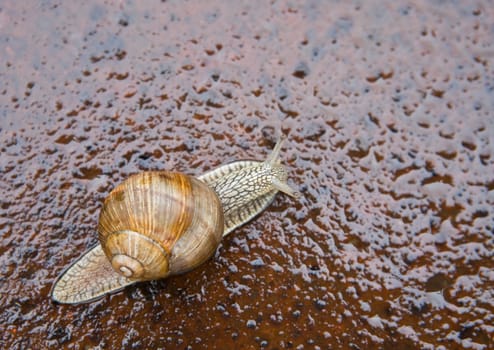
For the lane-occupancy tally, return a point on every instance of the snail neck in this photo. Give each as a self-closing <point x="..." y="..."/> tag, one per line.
<point x="245" y="188"/>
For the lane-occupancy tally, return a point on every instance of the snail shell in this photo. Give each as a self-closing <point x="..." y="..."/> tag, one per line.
<point x="160" y="223"/>
<point x="156" y="224"/>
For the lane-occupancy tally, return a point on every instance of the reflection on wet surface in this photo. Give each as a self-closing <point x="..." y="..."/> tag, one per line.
<point x="388" y="107"/>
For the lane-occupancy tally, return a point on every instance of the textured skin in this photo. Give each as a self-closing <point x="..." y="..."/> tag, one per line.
<point x="245" y="188"/>
<point x="88" y="278"/>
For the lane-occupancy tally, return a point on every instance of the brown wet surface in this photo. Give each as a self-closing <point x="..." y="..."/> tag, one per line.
<point x="389" y="111"/>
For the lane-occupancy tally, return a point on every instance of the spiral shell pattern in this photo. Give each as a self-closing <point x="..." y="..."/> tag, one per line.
<point x="152" y="219"/>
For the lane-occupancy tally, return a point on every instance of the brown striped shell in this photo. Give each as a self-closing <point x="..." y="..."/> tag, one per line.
<point x="159" y="223"/>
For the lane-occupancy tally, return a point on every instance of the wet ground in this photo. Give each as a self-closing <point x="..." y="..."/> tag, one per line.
<point x="389" y="111"/>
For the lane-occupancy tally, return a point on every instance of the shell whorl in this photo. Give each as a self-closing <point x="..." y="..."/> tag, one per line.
<point x="136" y="256"/>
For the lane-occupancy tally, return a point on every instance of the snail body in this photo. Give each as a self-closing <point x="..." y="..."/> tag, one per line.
<point x="157" y="224"/>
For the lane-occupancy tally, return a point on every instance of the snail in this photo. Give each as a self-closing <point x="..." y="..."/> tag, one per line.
<point x="160" y="223"/>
